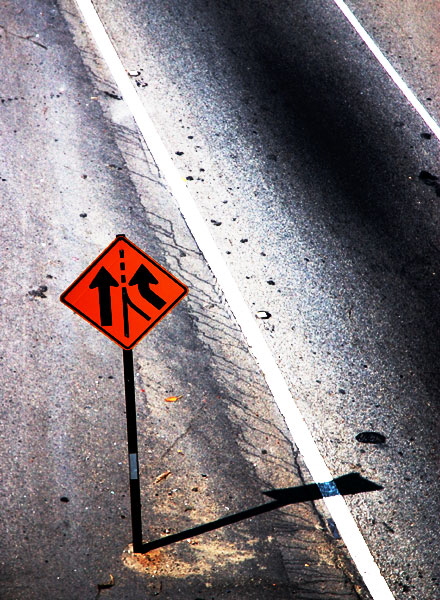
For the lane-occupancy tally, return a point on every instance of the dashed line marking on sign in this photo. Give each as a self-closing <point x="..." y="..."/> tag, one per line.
<point x="319" y="471"/>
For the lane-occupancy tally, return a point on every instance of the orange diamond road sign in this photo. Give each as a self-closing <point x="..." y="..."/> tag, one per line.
<point x="124" y="293"/>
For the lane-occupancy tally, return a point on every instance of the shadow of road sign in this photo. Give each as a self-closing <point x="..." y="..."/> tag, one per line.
<point x="353" y="483"/>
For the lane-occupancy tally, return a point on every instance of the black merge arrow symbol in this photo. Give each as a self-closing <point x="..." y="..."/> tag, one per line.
<point x="104" y="281"/>
<point x="143" y="279"/>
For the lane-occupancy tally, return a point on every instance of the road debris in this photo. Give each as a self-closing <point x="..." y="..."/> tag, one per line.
<point x="109" y="584"/>
<point x="173" y="398"/>
<point x="113" y="95"/>
<point x="263" y="314"/>
<point x="162" y="476"/>
<point x="39" y="292"/>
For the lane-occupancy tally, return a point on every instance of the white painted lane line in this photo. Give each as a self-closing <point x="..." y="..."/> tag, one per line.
<point x="385" y="63"/>
<point x="300" y="433"/>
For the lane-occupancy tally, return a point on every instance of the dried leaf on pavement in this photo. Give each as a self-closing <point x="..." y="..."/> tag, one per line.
<point x="109" y="584"/>
<point x="173" y="398"/>
<point x="162" y="476"/>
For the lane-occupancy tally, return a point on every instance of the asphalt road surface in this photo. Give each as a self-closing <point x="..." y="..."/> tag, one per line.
<point x="319" y="184"/>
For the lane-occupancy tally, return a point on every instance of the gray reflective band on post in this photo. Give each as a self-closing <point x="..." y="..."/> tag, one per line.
<point x="133" y="466"/>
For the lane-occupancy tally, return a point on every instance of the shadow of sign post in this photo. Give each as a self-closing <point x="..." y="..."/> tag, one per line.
<point x="352" y="483"/>
<point x="101" y="295"/>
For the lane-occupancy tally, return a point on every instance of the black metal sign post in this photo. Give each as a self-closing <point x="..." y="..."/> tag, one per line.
<point x="111" y="277"/>
<point x="133" y="461"/>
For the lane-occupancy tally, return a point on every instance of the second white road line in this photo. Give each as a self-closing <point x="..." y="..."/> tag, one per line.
<point x="388" y="67"/>
<point x="337" y="506"/>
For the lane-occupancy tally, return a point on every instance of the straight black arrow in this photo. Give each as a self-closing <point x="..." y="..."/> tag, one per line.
<point x="104" y="281"/>
<point x="143" y="279"/>
<point x="353" y="483"/>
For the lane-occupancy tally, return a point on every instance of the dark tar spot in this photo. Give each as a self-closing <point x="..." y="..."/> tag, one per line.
<point x="427" y="178"/>
<point x="426" y="136"/>
<point x="341" y="391"/>
<point x="431" y="180"/>
<point x="64" y="499"/>
<point x="39" y="292"/>
<point x="179" y="153"/>
<point x="370" y="437"/>
<point x="244" y="240"/>
<point x="217" y="223"/>
<point x="388" y="527"/>
<point x="271" y="282"/>
<point x="112" y="95"/>
<point x="83" y="215"/>
<point x="189" y="178"/>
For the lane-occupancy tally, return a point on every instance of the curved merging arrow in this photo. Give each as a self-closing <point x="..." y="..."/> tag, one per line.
<point x="104" y="281"/>
<point x="143" y="279"/>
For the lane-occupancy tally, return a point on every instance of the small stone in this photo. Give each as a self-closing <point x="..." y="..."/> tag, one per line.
<point x="263" y="314"/>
